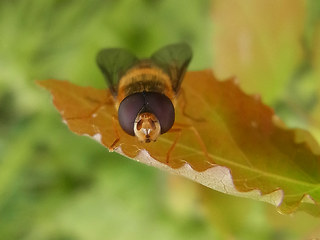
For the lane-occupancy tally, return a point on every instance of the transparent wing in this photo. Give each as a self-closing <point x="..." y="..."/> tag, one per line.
<point x="174" y="59"/>
<point x="114" y="62"/>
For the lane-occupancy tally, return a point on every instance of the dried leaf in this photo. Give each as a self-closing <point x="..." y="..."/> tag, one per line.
<point x="232" y="142"/>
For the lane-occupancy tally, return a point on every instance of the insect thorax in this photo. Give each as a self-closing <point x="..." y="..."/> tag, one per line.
<point x="148" y="78"/>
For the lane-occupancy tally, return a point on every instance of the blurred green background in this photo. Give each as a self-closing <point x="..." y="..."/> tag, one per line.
<point x="58" y="186"/>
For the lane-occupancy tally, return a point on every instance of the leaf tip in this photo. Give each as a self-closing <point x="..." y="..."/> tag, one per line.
<point x="235" y="81"/>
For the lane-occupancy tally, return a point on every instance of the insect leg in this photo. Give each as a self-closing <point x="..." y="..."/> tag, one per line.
<point x="108" y="101"/>
<point x="184" y="104"/>
<point x="113" y="145"/>
<point x="178" y="127"/>
<point x="179" y="132"/>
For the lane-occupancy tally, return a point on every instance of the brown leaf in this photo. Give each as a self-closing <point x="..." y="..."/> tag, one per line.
<point x="232" y="142"/>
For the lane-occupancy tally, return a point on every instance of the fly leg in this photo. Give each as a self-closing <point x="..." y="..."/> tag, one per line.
<point x="178" y="128"/>
<point x="117" y="139"/>
<point x="92" y="113"/>
<point x="184" y="104"/>
<point x="179" y="132"/>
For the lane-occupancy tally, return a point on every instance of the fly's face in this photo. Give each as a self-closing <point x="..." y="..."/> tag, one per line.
<point x="143" y="90"/>
<point x="147" y="127"/>
<point x="146" y="115"/>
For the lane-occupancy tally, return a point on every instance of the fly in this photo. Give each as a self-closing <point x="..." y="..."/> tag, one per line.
<point x="145" y="90"/>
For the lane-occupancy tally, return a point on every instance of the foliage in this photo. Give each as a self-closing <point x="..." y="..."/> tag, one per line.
<point x="55" y="185"/>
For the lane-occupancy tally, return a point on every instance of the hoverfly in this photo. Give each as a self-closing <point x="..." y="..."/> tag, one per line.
<point x="145" y="90"/>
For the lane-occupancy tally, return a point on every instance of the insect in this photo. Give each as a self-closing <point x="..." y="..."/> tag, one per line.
<point x="145" y="90"/>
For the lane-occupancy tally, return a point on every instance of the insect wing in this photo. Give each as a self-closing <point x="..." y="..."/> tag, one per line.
<point x="114" y="62"/>
<point x="174" y="59"/>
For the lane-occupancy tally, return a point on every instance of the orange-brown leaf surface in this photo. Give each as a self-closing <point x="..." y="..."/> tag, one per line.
<point x="225" y="140"/>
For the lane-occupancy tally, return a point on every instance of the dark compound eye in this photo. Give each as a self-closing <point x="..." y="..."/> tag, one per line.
<point x="156" y="103"/>
<point x="162" y="107"/>
<point x="128" y="111"/>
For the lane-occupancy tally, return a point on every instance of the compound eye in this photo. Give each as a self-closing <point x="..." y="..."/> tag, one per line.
<point x="128" y="111"/>
<point x="162" y="107"/>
